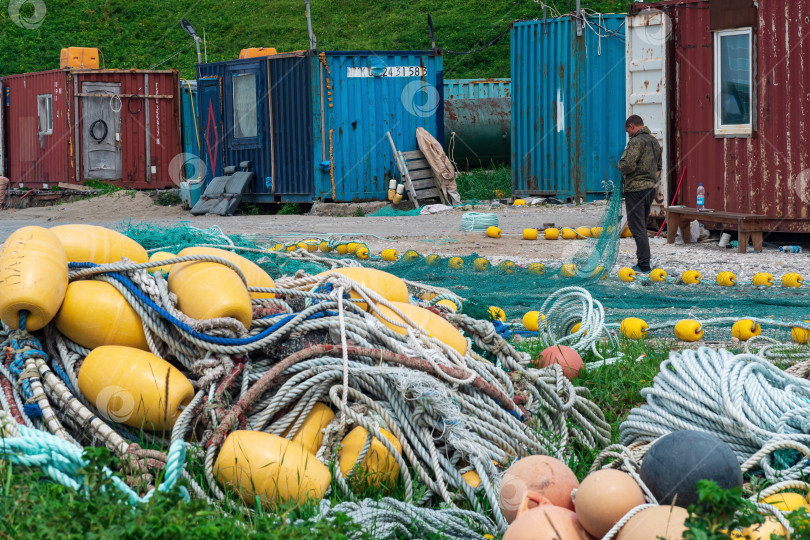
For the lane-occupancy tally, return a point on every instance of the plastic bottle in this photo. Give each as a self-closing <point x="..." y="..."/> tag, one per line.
<point x="790" y="249"/>
<point x="701" y="197"/>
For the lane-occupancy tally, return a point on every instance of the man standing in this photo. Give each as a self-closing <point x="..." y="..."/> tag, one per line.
<point x="641" y="167"/>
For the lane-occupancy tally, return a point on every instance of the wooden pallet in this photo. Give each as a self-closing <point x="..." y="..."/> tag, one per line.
<point x="416" y="175"/>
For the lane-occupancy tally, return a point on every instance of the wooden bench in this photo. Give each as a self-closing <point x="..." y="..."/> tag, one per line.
<point x="749" y="226"/>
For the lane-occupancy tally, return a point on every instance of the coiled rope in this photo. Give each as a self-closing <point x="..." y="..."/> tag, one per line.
<point x="478" y="222"/>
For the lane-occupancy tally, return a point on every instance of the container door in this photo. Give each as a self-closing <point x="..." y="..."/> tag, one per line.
<point x="101" y="131"/>
<point x="648" y="84"/>
<point x="209" y="92"/>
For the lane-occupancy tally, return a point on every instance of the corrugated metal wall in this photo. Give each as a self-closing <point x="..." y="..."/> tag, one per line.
<point x="567" y="106"/>
<point x="190" y="127"/>
<point x="388" y="91"/>
<point x="477" y="88"/>
<point x="764" y="174"/>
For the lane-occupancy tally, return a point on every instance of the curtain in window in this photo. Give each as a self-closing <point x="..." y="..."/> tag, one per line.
<point x="244" y="105"/>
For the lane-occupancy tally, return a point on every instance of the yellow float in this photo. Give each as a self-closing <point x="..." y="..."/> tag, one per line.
<point x="89" y="243"/>
<point x="389" y="255"/>
<point x="207" y="290"/>
<point x="551" y="234"/>
<point x="583" y="233"/>
<point x="254" y="275"/>
<point x="94" y="313"/>
<point x="432" y="324"/>
<point x="633" y="328"/>
<point x="361" y="253"/>
<point x="519" y="202"/>
<point x="568" y="233"/>
<point x="310" y="434"/>
<point x="658" y="275"/>
<point x="575" y="329"/>
<point x="342" y="249"/>
<point x="324" y="247"/>
<point x="449" y="304"/>
<point x="276" y="470"/>
<point x="481" y="264"/>
<point x="410" y="255"/>
<point x="532" y="320"/>
<point x="627" y="274"/>
<point x="599" y="271"/>
<point x="134" y="387"/>
<point x="161" y="256"/>
<point x="472" y="478"/>
<point x="537" y="269"/>
<point x="786" y="502"/>
<point x="689" y="330"/>
<point x="386" y="285"/>
<point x="496" y="313"/>
<point x="745" y="329"/>
<point x="33" y="277"/>
<point x="378" y="467"/>
<point x="507" y="267"/>
<point x="530" y="234"/>
<point x="432" y="260"/>
<point x="351" y="247"/>
<point x="596" y="232"/>
<point x="792" y="280"/>
<point x="568" y="270"/>
<point x="763" y="531"/>
<point x="493" y="232"/>
<point x="800" y="335"/>
<point x="763" y="279"/>
<point x="691" y="277"/>
<point x="626" y="233"/>
<point x="726" y="279"/>
<point x="455" y="263"/>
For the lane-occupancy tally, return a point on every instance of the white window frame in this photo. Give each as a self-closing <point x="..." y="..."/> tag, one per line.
<point x="43" y="114"/>
<point x="736" y="130"/>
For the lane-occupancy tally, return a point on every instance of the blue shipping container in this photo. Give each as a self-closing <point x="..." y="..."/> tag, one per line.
<point x="313" y="124"/>
<point x="190" y="131"/>
<point x="568" y="106"/>
<point x="477" y="88"/>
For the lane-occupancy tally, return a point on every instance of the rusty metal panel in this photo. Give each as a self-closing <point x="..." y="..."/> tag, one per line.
<point x="768" y="173"/>
<point x="727" y="14"/>
<point x="477" y="88"/>
<point x="34" y="160"/>
<point x="477" y="132"/>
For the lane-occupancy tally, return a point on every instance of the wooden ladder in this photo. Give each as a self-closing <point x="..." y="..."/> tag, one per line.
<point x="417" y="175"/>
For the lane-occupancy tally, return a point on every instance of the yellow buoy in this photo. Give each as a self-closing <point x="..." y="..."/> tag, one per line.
<point x="452" y="306"/>
<point x="207" y="290"/>
<point x="568" y="270"/>
<point x="389" y="255"/>
<point x="496" y="313"/>
<point x="428" y="321"/>
<point x="324" y="247"/>
<point x="310" y="434"/>
<point x="786" y="502"/>
<point x="90" y="243"/>
<point x="537" y="269"/>
<point x="378" y="467"/>
<point x="599" y="271"/>
<point x="551" y="234"/>
<point x="689" y="330"/>
<point x="519" y="202"/>
<point x="161" y="256"/>
<point x="800" y="335"/>
<point x="276" y="470"/>
<point x="691" y="277"/>
<point x="134" y="387"/>
<point x="763" y="531"/>
<point x="745" y="329"/>
<point x="481" y="264"/>
<point x="94" y="313"/>
<point x="455" y="263"/>
<point x="627" y="274"/>
<point x="309" y="245"/>
<point x="361" y="253"/>
<point x="254" y="275"/>
<point x="726" y="279"/>
<point x="342" y="249"/>
<point x="507" y="267"/>
<point x="351" y="247"/>
<point x="493" y="232"/>
<point x="276" y="247"/>
<point x="531" y="321"/>
<point x="530" y="234"/>
<point x="596" y="232"/>
<point x="763" y="279"/>
<point x="583" y="233"/>
<point x="386" y="285"/>
<point x="568" y="233"/>
<point x="633" y="328"/>
<point x="792" y="280"/>
<point x="658" y="275"/>
<point x="291" y="247"/>
<point x="576" y="327"/>
<point x="472" y="478"/>
<point x="410" y="255"/>
<point x="626" y="233"/>
<point x="33" y="277"/>
<point x="432" y="260"/>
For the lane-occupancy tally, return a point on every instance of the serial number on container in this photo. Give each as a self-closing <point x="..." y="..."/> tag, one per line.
<point x="390" y="71"/>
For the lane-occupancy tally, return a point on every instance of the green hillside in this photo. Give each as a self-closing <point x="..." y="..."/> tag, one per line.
<point x="145" y="33"/>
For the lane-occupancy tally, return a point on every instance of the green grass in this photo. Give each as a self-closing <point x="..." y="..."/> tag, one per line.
<point x="485" y="184"/>
<point x="145" y="33"/>
<point x="290" y="209"/>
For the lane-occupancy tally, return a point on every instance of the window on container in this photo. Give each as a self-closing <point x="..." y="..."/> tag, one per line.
<point x="244" y="105"/>
<point x="733" y="83"/>
<point x="45" y="114"/>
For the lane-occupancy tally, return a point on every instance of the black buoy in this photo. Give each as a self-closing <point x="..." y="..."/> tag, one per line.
<point x="675" y="463"/>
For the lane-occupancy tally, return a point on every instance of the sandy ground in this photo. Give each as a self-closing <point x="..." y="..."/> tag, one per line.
<point x="437" y="233"/>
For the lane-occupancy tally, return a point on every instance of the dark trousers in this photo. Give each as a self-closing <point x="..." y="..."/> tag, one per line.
<point x="638" y="211"/>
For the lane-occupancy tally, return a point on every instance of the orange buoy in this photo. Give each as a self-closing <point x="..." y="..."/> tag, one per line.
<point x="566" y="357"/>
<point x="99" y="245"/>
<point x="254" y="275"/>
<point x="33" y="277"/>
<point x="545" y="475"/>
<point x="604" y="497"/>
<point x="539" y="520"/>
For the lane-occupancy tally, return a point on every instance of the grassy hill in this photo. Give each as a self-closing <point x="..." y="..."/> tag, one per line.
<point x="146" y="33"/>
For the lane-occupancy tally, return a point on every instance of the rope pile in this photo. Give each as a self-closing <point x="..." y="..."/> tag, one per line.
<point x="451" y="413"/>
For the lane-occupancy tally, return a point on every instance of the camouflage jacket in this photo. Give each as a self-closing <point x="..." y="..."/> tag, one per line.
<point x="641" y="161"/>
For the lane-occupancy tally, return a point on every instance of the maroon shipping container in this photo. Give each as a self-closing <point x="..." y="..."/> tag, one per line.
<point x="764" y="172"/>
<point x="119" y="126"/>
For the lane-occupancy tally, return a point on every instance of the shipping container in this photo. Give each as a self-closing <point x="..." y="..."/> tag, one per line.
<point x="313" y="124"/>
<point x="70" y="126"/>
<point x="568" y="106"/>
<point x="477" y="88"/>
<point x="740" y="103"/>
<point x="190" y="131"/>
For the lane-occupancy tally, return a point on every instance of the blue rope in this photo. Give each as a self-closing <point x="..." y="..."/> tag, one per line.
<point x="503" y="330"/>
<point x="20" y="340"/>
